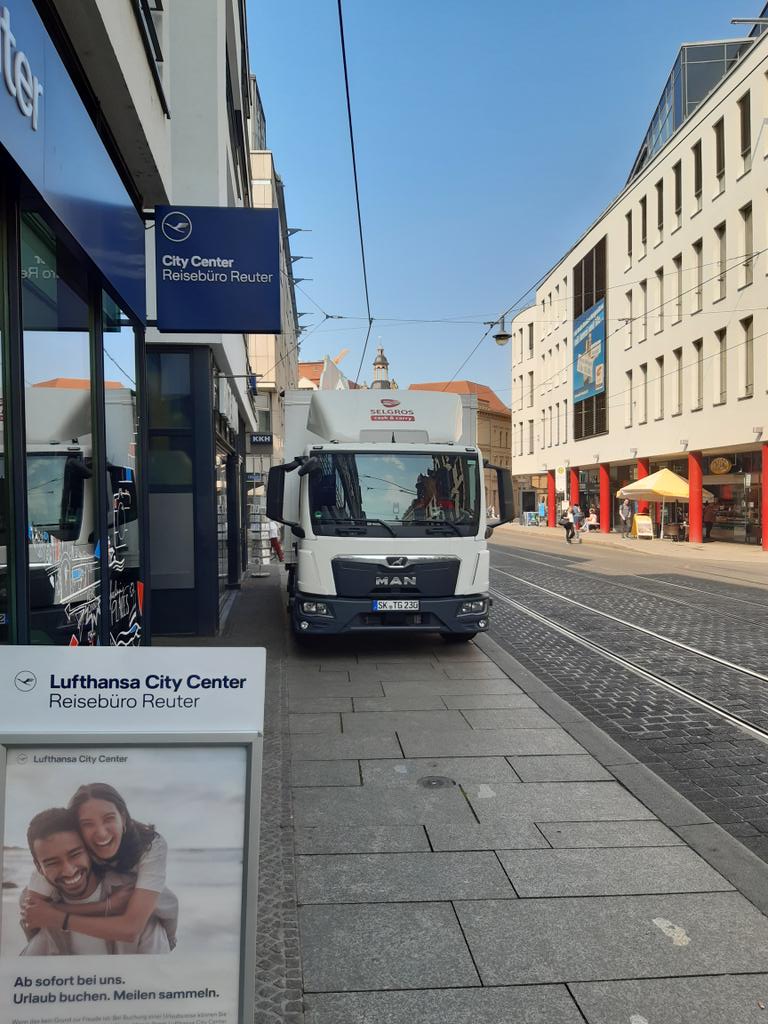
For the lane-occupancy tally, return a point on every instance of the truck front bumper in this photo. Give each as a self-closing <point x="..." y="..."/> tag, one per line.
<point x="356" y="615"/>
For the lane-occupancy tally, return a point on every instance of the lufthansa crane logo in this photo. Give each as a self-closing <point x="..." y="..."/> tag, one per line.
<point x="25" y="681"/>
<point x="176" y="226"/>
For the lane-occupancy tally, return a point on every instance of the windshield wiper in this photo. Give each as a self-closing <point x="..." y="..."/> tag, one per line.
<point x="377" y="522"/>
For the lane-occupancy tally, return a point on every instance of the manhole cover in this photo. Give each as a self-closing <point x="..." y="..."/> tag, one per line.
<point x="436" y="781"/>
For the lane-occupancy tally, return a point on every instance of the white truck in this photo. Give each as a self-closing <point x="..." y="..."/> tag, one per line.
<point x="385" y="499"/>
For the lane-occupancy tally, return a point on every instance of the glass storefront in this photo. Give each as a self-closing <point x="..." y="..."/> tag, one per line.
<point x="62" y="508"/>
<point x="70" y="466"/>
<point x="735" y="481"/>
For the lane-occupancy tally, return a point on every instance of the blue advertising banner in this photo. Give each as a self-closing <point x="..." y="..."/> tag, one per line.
<point x="48" y="133"/>
<point x="218" y="270"/>
<point x="589" y="353"/>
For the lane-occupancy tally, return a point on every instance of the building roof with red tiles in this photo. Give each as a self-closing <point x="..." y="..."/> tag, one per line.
<point x="486" y="397"/>
<point x="75" y="384"/>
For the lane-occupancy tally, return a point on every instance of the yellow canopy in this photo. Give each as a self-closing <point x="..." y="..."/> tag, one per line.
<point x="658" y="487"/>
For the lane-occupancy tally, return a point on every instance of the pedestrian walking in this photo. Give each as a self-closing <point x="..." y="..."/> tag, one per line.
<point x="274" y="540"/>
<point x="566" y="521"/>
<point x="625" y="514"/>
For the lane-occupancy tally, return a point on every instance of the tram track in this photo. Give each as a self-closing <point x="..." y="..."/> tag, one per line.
<point x="648" y="582"/>
<point x="628" y="663"/>
<point x="724" y="662"/>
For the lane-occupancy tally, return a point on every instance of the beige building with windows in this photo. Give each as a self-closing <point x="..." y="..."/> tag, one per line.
<point x="494" y="425"/>
<point x="645" y="347"/>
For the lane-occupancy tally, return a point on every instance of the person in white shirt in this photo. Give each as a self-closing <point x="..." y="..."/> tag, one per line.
<point x="274" y="540"/>
<point x="116" y="843"/>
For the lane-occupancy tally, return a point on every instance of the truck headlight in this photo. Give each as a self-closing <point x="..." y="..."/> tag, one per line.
<point x="315" y="608"/>
<point x="477" y="607"/>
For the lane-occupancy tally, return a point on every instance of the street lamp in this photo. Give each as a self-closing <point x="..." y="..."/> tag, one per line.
<point x="502" y="336"/>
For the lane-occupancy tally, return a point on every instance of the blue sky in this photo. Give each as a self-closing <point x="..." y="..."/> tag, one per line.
<point x="489" y="134"/>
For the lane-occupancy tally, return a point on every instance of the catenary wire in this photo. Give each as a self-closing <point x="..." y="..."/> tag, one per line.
<point x="357" y="188"/>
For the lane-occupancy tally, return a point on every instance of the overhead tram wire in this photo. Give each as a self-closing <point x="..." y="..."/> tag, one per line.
<point x="357" y="189"/>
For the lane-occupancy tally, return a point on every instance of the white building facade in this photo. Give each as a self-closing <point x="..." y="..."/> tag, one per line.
<point x="646" y="345"/>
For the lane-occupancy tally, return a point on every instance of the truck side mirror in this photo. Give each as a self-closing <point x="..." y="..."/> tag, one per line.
<point x="275" y="494"/>
<point x="506" y="509"/>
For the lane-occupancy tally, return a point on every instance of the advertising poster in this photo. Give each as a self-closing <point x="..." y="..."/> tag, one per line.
<point x="122" y="884"/>
<point x="129" y="834"/>
<point x="589" y="353"/>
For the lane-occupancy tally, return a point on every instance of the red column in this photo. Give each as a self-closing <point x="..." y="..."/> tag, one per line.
<point x="695" y="499"/>
<point x="551" y="498"/>
<point x="643" y="469"/>
<point x="573" y="485"/>
<point x="606" y="505"/>
<point x="764" y="496"/>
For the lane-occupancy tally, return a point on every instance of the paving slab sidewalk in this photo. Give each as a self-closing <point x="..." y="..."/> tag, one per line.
<point x="470" y="861"/>
<point x="425" y="860"/>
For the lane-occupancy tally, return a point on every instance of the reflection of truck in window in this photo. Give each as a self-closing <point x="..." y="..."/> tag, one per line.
<point x="385" y="499"/>
<point x="64" y="577"/>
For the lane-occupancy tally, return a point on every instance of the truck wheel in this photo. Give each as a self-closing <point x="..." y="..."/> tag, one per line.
<point x="458" y="638"/>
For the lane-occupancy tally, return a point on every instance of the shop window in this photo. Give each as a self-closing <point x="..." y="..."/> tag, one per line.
<point x="62" y="527"/>
<point x="121" y="402"/>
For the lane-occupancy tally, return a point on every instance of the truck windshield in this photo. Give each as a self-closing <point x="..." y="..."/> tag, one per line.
<point x="406" y="493"/>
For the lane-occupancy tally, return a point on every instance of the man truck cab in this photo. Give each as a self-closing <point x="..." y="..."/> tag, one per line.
<point x="385" y="499"/>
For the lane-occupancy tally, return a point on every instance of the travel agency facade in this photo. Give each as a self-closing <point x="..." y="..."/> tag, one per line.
<point x="73" y="534"/>
<point x="645" y="347"/>
<point x="121" y="464"/>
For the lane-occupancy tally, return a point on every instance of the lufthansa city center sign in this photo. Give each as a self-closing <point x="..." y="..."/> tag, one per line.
<point x="218" y="270"/>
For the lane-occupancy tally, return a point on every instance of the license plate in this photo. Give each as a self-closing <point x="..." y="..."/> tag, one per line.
<point x="395" y="606"/>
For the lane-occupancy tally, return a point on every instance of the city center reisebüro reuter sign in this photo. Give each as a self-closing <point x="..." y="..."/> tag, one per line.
<point x="217" y="270"/>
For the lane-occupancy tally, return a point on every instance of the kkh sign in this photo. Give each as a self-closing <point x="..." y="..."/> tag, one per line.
<point x="218" y="270"/>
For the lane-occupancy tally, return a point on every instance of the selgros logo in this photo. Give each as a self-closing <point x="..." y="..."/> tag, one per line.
<point x="390" y="412"/>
